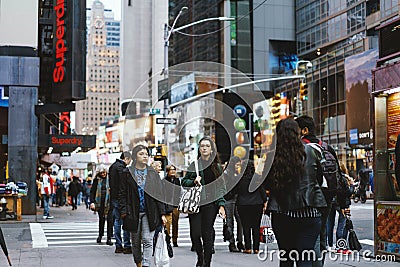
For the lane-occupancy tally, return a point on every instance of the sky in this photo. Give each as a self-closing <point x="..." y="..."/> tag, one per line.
<point x="114" y="5"/>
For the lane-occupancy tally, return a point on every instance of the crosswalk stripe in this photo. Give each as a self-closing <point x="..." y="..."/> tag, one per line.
<point x="83" y="234"/>
<point x="367" y="242"/>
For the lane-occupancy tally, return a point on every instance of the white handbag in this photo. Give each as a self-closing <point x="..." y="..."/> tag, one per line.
<point x="190" y="199"/>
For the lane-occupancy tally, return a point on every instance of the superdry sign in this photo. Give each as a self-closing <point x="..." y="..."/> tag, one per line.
<point x="61" y="141"/>
<point x="66" y="142"/>
<point x="61" y="44"/>
<point x="68" y="73"/>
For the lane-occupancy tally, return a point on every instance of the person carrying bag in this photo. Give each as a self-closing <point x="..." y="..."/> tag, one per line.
<point x="190" y="200"/>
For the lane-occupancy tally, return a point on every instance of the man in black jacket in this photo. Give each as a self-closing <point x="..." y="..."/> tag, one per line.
<point x="115" y="176"/>
<point x="307" y="127"/>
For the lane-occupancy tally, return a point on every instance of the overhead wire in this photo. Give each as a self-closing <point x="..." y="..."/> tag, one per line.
<point x="223" y="28"/>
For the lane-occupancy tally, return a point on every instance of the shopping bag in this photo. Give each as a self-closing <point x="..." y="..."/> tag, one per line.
<point x="190" y="199"/>
<point x="161" y="258"/>
<point x="266" y="233"/>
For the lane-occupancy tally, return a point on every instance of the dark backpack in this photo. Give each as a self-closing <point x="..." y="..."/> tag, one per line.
<point x="330" y="170"/>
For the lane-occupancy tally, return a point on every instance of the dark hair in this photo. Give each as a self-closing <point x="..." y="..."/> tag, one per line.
<point x="168" y="168"/>
<point x="289" y="155"/>
<point x="230" y="166"/>
<point x="125" y="155"/>
<point x="306" y="121"/>
<point x="214" y="156"/>
<point x="135" y="150"/>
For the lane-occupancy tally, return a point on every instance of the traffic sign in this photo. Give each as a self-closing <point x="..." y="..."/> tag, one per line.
<point x="154" y="111"/>
<point x="166" y="121"/>
<point x="163" y="89"/>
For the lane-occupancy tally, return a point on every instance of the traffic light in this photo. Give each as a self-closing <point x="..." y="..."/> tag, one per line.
<point x="303" y="91"/>
<point x="275" y="108"/>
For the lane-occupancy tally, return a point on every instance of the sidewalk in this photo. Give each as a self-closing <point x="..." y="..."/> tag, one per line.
<point x="19" y="243"/>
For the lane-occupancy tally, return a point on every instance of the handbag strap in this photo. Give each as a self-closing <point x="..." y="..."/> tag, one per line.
<point x="196" y="166"/>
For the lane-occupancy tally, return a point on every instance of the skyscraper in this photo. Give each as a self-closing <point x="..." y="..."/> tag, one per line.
<point x="102" y="73"/>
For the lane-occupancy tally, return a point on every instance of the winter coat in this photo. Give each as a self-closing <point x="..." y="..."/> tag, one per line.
<point x="74" y="188"/>
<point x="175" y="194"/>
<point x="216" y="189"/>
<point x="244" y="197"/>
<point x="129" y="202"/>
<point x="303" y="192"/>
<point x="115" y="174"/>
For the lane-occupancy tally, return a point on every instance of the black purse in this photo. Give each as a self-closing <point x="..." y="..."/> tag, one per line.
<point x="227" y="233"/>
<point x="353" y="242"/>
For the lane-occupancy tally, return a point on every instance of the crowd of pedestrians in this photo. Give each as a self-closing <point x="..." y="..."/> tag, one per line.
<point x="302" y="192"/>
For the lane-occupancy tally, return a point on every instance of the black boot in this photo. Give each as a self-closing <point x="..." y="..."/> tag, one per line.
<point x="240" y="246"/>
<point x="233" y="248"/>
<point x="200" y="260"/>
<point x="98" y="240"/>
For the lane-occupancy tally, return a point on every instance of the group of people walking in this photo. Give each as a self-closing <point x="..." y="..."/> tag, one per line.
<point x="295" y="192"/>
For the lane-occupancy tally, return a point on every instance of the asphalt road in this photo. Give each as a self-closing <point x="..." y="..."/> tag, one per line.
<point x="85" y="252"/>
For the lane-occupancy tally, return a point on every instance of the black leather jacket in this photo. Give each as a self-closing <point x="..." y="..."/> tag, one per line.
<point x="303" y="192"/>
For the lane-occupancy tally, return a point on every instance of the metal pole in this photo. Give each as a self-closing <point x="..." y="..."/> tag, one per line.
<point x="166" y="43"/>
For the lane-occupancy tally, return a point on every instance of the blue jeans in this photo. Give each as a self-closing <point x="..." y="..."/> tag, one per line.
<point x="46" y="200"/>
<point x="142" y="236"/>
<point x="117" y="227"/>
<point x="341" y="232"/>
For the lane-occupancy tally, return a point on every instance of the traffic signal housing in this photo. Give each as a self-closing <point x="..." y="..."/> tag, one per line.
<point x="303" y="91"/>
<point x="275" y="106"/>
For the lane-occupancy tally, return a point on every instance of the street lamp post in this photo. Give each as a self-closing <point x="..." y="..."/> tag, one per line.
<point x="167" y="36"/>
<point x="299" y="105"/>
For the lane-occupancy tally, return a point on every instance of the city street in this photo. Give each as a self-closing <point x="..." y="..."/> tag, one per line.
<point x="69" y="240"/>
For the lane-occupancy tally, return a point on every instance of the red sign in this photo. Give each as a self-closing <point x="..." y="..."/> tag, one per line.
<point x="68" y="141"/>
<point x="60" y="29"/>
<point x="64" y="117"/>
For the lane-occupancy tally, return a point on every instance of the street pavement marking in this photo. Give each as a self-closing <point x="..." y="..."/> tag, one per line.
<point x="367" y="242"/>
<point x="84" y="234"/>
<point x="38" y="237"/>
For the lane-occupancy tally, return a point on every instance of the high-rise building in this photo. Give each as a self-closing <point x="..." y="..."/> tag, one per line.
<point x="113" y="26"/>
<point x="337" y="37"/>
<point x="102" y="74"/>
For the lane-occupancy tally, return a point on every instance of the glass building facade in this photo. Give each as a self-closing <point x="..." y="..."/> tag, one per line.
<point x="328" y="32"/>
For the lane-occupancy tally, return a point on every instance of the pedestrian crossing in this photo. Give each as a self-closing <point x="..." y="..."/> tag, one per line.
<point x="77" y="234"/>
<point x="82" y="234"/>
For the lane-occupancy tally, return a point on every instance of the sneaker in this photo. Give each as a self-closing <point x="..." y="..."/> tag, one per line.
<point x="50" y="217"/>
<point x="344" y="251"/>
<point x="44" y="217"/>
<point x="127" y="250"/>
<point x="119" y="250"/>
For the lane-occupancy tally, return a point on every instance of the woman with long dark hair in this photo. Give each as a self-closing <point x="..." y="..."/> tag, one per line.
<point x="295" y="195"/>
<point x="212" y="200"/>
<point x="140" y="205"/>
